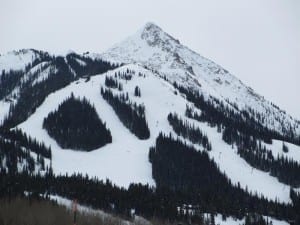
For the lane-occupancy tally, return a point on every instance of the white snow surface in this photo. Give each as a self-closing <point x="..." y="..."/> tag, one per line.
<point x="125" y="160"/>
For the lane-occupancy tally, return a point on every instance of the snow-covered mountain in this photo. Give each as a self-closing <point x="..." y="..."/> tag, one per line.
<point x="155" y="60"/>
<point x="153" y="48"/>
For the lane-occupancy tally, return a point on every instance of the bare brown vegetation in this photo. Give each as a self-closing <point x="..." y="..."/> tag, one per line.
<point x="22" y="211"/>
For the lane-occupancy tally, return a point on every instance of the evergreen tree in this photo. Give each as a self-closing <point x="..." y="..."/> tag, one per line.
<point x="76" y="125"/>
<point x="110" y="82"/>
<point x="285" y="148"/>
<point x="137" y="91"/>
<point x="185" y="129"/>
<point x="131" y="115"/>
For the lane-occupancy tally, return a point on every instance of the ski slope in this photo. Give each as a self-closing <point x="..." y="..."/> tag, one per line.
<point x="125" y="160"/>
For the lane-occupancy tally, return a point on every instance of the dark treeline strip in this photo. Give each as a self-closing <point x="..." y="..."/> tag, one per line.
<point x="181" y="168"/>
<point x="22" y="139"/>
<point x="98" y="194"/>
<point x="185" y="129"/>
<point x="89" y="66"/>
<point x="160" y="202"/>
<point x="131" y="115"/>
<point x="216" y="113"/>
<point x="76" y="125"/>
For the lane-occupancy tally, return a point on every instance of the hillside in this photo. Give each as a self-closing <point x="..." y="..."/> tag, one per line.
<point x="125" y="160"/>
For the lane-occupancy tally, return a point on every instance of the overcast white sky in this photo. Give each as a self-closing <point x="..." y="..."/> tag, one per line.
<point x="256" y="40"/>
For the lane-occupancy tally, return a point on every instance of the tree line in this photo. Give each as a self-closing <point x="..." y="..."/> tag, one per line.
<point x="146" y="201"/>
<point x="131" y="114"/>
<point x="88" y="66"/>
<point x="189" y="131"/>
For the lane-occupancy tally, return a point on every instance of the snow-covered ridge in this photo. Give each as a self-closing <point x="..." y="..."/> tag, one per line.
<point x="17" y="60"/>
<point x="152" y="48"/>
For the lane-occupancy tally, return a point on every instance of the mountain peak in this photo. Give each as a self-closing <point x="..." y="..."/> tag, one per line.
<point x="155" y="36"/>
<point x="151" y="26"/>
<point x="156" y="50"/>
